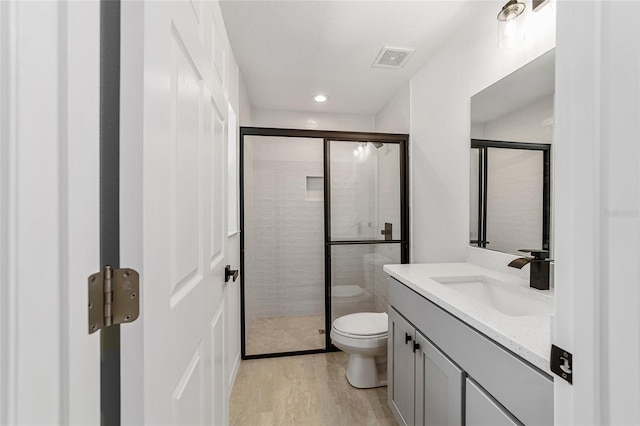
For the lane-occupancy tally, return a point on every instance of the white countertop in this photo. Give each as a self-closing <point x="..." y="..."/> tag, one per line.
<point x="527" y="336"/>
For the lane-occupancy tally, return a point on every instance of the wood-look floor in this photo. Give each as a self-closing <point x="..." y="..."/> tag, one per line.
<point x="286" y="334"/>
<point x="304" y="390"/>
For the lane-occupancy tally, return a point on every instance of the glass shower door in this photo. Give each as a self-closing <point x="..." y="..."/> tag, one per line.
<point x="284" y="283"/>
<point x="320" y="218"/>
<point x="366" y="226"/>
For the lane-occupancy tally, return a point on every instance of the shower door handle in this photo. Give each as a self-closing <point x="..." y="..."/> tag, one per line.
<point x="387" y="231"/>
<point x="230" y="273"/>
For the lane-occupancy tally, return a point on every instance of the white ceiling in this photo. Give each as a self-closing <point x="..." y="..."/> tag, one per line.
<point x="288" y="51"/>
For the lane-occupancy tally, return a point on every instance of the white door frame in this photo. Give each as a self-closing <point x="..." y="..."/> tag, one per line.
<point x="597" y="203"/>
<point x="49" y="128"/>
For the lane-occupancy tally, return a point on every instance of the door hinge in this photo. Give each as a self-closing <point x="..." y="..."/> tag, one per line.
<point x="113" y="297"/>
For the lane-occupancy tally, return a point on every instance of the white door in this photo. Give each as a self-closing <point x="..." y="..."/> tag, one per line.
<point x="49" y="211"/>
<point x="173" y="219"/>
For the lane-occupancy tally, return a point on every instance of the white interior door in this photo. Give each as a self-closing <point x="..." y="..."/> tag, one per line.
<point x="49" y="211"/>
<point x="173" y="218"/>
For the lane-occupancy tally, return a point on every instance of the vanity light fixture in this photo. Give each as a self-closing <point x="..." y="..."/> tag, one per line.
<point x="510" y="23"/>
<point x="321" y="98"/>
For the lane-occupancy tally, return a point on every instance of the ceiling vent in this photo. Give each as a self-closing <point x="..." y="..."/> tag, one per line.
<point x="392" y="57"/>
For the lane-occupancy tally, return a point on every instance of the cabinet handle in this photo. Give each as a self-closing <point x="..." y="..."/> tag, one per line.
<point x="416" y="346"/>
<point x="407" y="338"/>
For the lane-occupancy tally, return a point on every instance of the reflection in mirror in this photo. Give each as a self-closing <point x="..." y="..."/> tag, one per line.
<point x="510" y="182"/>
<point x="510" y="186"/>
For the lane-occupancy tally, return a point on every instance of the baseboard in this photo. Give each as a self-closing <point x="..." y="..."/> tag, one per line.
<point x="232" y="377"/>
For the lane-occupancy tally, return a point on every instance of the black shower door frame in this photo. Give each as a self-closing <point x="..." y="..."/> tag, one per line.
<point x="327" y="136"/>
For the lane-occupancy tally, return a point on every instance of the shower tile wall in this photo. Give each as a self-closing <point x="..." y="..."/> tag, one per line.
<point x="286" y="270"/>
<point x="353" y="191"/>
<point x="388" y="175"/>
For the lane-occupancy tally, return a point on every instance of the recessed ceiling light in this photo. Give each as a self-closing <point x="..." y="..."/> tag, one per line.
<point x="320" y="98"/>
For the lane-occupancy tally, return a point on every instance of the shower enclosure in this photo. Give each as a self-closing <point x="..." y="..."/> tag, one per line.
<point x="321" y="213"/>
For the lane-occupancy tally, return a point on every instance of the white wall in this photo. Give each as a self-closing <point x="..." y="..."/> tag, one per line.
<point x="440" y="126"/>
<point x="312" y="120"/>
<point x="395" y="116"/>
<point x="244" y="115"/>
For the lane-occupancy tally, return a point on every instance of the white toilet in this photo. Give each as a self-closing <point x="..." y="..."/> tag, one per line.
<point x="364" y="337"/>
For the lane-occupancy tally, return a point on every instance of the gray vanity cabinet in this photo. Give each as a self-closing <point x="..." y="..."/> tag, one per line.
<point x="482" y="410"/>
<point x="438" y="386"/>
<point x="441" y="371"/>
<point x="401" y="386"/>
<point x="425" y="386"/>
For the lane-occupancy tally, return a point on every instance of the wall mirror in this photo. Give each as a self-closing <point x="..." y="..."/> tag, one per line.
<point x="511" y="145"/>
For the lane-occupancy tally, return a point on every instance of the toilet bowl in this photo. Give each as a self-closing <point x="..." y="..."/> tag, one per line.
<point x="364" y="337"/>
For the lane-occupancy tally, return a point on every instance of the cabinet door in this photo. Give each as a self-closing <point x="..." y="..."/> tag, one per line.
<point x="401" y="370"/>
<point x="438" y="394"/>
<point x="483" y="410"/>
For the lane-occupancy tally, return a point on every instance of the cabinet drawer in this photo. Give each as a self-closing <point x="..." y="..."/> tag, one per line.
<point x="523" y="389"/>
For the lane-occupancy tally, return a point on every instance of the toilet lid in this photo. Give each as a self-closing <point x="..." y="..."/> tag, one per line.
<point x="363" y="324"/>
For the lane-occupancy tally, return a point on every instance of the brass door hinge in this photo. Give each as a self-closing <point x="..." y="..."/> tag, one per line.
<point x="114" y="296"/>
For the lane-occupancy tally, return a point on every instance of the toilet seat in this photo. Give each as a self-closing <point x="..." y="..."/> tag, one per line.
<point x="359" y="336"/>
<point x="364" y="325"/>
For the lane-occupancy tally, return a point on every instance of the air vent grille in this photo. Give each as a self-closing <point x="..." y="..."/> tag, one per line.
<point x="392" y="57"/>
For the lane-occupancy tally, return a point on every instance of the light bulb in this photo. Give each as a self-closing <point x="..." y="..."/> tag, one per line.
<point x="510" y="24"/>
<point x="511" y="32"/>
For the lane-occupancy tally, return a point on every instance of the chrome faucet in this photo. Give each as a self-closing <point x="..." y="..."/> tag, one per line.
<point x="539" y="271"/>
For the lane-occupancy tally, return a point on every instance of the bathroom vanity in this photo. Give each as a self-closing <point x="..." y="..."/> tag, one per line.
<point x="467" y="345"/>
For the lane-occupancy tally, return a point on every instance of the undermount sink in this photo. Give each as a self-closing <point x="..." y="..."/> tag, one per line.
<point x="505" y="298"/>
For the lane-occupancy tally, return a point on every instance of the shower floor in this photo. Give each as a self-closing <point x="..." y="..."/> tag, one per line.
<point x="285" y="334"/>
